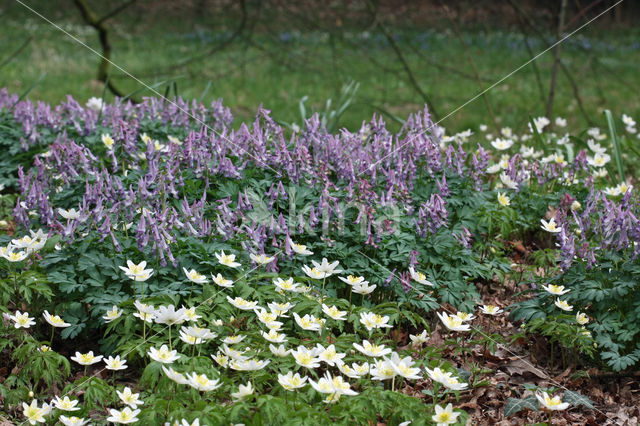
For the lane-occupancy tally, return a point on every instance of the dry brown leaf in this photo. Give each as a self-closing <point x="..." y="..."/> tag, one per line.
<point x="520" y="367"/>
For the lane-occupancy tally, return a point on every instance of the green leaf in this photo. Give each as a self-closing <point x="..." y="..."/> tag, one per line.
<point x="515" y="405"/>
<point x="616" y="144"/>
<point x="576" y="398"/>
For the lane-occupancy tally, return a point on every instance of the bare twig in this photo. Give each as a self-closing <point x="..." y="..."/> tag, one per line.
<point x="534" y="66"/>
<point x="16" y="52"/>
<point x="401" y="58"/>
<point x="473" y="65"/>
<point x="556" y="60"/>
<point x="434" y="63"/>
<point x="582" y="12"/>
<point x="92" y="19"/>
<point x="116" y="10"/>
<point x="238" y="31"/>
<point x="565" y="70"/>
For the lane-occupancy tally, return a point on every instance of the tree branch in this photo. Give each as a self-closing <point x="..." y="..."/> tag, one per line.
<point x="473" y="65"/>
<point x="556" y="60"/>
<point x="16" y="52"/>
<point x="565" y="70"/>
<point x="401" y="58"/>
<point x="90" y="18"/>
<point x="117" y="10"/>
<point x="238" y="31"/>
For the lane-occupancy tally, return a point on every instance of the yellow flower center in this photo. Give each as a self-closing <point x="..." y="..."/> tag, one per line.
<point x="552" y="401"/>
<point x="304" y="359"/>
<point x="444" y="417"/>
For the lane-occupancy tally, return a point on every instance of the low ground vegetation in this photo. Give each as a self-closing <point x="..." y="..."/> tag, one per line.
<point x="161" y="265"/>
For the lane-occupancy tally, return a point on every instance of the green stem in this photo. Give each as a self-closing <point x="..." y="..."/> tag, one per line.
<point x="53" y="330"/>
<point x="170" y="346"/>
<point x="193" y="349"/>
<point x="323" y="282"/>
<point x="15" y="279"/>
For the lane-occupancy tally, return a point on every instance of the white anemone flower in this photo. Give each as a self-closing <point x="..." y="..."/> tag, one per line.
<point x="194" y="276"/>
<point x="222" y="281"/>
<point x="372" y="321"/>
<point x="130" y="398"/>
<point x="363" y="288"/>
<point x="202" y="383"/>
<point x="445" y="416"/>
<point x="491" y="310"/>
<point x="70" y="214"/>
<point x="563" y="305"/>
<point x="112" y="314"/>
<point x="419" y="277"/>
<point x="453" y="322"/>
<point x="291" y="381"/>
<point x="383" y="370"/>
<point x="115" y="363"/>
<point x="326" y="267"/>
<point x="300" y="249"/>
<point x="163" y="355"/>
<point x="169" y="315"/>
<point x="554" y="404"/>
<point x="65" y="404"/>
<point x="416" y="339"/>
<point x="404" y="367"/>
<point x="243" y="392"/>
<point x="227" y="259"/>
<point x="262" y="259"/>
<point x="86" y="359"/>
<point x="371" y="349"/>
<point x="550" y="226"/>
<point x="125" y="416"/>
<point x="314" y="273"/>
<point x="557" y="290"/>
<point x="73" y="421"/>
<point x="240" y="303"/>
<point x="137" y="272"/>
<point x="179" y="378"/>
<point x="22" y="320"/>
<point x="334" y="312"/>
<point x="352" y="280"/>
<point x="307" y="322"/>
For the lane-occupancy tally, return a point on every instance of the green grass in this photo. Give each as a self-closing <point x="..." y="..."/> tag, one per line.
<point x="277" y="73"/>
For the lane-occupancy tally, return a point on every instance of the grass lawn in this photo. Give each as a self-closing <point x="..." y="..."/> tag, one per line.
<point x="276" y="69"/>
